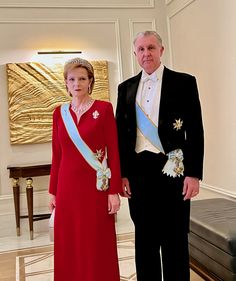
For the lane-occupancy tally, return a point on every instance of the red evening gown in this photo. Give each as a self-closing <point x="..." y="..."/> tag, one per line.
<point x="84" y="232"/>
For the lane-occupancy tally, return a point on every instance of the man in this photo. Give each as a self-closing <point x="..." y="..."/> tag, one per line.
<point x="161" y="142"/>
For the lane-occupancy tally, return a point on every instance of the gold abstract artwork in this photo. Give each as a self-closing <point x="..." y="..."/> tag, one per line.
<point x="34" y="90"/>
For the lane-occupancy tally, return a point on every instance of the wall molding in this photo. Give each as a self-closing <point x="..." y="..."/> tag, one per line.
<point x="219" y="190"/>
<point x="132" y="22"/>
<point x="70" y="21"/>
<point x="180" y="8"/>
<point x="41" y="199"/>
<point x="64" y="21"/>
<point x="168" y="19"/>
<point x="168" y="2"/>
<point x="6" y="204"/>
<point x="73" y="4"/>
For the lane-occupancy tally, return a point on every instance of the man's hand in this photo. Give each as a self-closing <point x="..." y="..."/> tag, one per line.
<point x="191" y="187"/>
<point x="126" y="188"/>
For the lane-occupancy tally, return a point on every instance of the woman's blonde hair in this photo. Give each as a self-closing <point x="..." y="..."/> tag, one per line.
<point x="76" y="63"/>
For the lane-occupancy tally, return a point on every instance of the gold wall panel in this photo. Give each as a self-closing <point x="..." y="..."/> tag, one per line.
<point x="34" y="90"/>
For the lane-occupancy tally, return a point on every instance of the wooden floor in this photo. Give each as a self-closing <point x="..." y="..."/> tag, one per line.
<point x="8" y="264"/>
<point x="8" y="261"/>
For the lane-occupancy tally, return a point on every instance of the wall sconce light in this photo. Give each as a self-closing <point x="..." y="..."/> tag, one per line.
<point x="55" y="57"/>
<point x="58" y="52"/>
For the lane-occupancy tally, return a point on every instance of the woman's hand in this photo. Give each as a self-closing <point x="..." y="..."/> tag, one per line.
<point x="113" y="203"/>
<point x="52" y="202"/>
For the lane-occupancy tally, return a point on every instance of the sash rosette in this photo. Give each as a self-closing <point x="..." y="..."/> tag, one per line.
<point x="174" y="166"/>
<point x="103" y="176"/>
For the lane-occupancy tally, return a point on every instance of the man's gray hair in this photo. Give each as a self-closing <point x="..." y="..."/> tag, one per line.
<point x="148" y="33"/>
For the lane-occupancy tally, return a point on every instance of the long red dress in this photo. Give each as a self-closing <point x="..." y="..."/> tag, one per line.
<point x="84" y="232"/>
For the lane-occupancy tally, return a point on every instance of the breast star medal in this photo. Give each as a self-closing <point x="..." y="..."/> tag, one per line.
<point x="178" y="124"/>
<point x="99" y="154"/>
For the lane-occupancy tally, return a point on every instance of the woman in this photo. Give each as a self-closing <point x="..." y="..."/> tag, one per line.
<point x="85" y="182"/>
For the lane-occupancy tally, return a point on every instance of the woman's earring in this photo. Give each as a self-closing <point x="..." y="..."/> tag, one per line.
<point x="89" y="89"/>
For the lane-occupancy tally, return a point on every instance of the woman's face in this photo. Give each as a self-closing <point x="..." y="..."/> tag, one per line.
<point x="78" y="82"/>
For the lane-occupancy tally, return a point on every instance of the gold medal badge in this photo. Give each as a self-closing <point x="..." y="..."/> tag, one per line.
<point x="177" y="125"/>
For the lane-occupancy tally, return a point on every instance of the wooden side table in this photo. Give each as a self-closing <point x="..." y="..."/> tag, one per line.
<point x="27" y="172"/>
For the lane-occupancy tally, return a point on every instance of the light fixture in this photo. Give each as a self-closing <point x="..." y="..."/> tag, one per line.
<point x="58" y="52"/>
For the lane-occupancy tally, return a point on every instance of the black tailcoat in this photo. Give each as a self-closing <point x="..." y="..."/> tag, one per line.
<point x="179" y="101"/>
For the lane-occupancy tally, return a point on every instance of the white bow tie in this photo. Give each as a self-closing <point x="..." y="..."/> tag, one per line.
<point x="149" y="77"/>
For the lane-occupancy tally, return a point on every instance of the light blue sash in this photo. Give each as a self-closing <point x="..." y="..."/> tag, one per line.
<point x="148" y="128"/>
<point x="103" y="172"/>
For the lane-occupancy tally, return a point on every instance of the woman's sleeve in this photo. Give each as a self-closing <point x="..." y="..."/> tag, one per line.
<point x="113" y="158"/>
<point x="56" y="154"/>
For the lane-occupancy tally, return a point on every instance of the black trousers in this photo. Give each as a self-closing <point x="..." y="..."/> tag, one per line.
<point x="161" y="219"/>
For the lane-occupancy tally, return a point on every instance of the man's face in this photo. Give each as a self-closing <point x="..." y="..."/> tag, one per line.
<point x="148" y="52"/>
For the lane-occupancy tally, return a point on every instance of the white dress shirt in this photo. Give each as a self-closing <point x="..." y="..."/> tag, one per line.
<point x="148" y="97"/>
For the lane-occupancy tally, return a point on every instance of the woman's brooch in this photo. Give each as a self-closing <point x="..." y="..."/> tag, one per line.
<point x="95" y="114"/>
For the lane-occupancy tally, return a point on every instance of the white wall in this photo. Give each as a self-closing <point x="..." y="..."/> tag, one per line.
<point x="199" y="38"/>
<point x="203" y="42"/>
<point x="101" y="29"/>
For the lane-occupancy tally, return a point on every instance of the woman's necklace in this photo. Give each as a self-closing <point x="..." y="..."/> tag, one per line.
<point x="80" y="110"/>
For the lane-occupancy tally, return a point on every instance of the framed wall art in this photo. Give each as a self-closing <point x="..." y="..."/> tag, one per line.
<point x="34" y="90"/>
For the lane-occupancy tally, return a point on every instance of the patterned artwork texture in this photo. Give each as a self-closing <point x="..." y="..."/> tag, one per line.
<point x="34" y="90"/>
